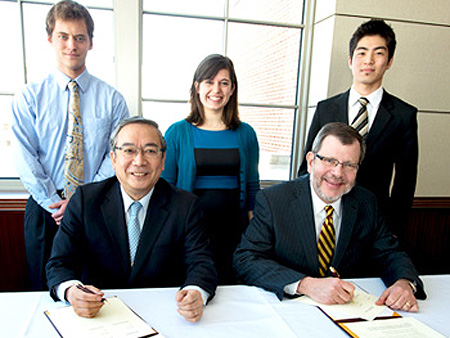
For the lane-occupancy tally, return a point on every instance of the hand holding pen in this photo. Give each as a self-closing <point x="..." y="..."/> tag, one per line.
<point x="85" y="289"/>
<point x="85" y="301"/>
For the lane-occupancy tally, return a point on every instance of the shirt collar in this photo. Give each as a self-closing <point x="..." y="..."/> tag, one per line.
<point x="374" y="97"/>
<point x="127" y="200"/>
<point x="63" y="80"/>
<point x="319" y="205"/>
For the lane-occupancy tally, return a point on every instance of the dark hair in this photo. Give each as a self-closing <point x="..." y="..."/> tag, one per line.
<point x="343" y="132"/>
<point x="374" y="27"/>
<point x="208" y="69"/>
<point x="69" y="10"/>
<point x="137" y="120"/>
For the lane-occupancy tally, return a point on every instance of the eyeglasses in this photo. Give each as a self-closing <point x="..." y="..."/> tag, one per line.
<point x="332" y="162"/>
<point x="133" y="151"/>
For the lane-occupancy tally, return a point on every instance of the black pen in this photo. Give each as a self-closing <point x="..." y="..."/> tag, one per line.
<point x="85" y="289"/>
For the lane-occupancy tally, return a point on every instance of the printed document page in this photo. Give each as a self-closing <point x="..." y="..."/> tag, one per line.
<point x="115" y="319"/>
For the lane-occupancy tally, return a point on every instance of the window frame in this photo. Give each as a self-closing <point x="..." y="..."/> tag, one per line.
<point x="128" y="35"/>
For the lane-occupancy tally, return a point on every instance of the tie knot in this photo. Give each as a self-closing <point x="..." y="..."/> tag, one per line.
<point x="72" y="85"/>
<point x="134" y="208"/>
<point x="363" y="101"/>
<point x="329" y="210"/>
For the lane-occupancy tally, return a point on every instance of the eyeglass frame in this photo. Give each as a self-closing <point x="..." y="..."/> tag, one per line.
<point x="139" y="150"/>
<point x="332" y="162"/>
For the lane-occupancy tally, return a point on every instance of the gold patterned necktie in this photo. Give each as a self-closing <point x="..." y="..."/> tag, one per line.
<point x="327" y="240"/>
<point x="74" y="160"/>
<point x="361" y="121"/>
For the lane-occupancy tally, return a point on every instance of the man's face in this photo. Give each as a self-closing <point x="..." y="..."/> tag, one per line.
<point x="137" y="174"/>
<point x="332" y="182"/>
<point x="71" y="42"/>
<point x="369" y="62"/>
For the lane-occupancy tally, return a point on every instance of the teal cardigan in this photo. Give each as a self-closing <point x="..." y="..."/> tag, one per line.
<point x="180" y="168"/>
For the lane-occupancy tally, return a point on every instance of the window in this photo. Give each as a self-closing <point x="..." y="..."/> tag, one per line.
<point x="262" y="38"/>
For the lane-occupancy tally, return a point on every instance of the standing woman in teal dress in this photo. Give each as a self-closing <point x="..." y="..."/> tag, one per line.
<point x="215" y="156"/>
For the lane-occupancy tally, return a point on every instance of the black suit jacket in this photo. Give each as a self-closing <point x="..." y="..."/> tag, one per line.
<point x="91" y="244"/>
<point x="279" y="246"/>
<point x="392" y="143"/>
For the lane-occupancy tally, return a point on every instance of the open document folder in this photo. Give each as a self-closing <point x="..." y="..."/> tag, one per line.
<point x="362" y="318"/>
<point x="114" y="320"/>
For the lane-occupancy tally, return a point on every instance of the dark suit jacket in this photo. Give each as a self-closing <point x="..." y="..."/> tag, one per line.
<point x="392" y="142"/>
<point x="279" y="246"/>
<point x="91" y="244"/>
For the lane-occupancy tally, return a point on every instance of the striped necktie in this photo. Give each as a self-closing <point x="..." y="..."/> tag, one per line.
<point x="327" y="239"/>
<point x="134" y="229"/>
<point x="361" y="121"/>
<point x="74" y="159"/>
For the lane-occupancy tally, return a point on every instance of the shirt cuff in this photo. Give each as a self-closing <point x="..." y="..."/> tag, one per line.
<point x="291" y="289"/>
<point x="205" y="295"/>
<point x="62" y="288"/>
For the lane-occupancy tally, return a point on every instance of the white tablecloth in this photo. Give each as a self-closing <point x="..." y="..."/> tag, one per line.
<point x="235" y="311"/>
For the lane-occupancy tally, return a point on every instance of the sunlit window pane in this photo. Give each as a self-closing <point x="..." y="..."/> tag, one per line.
<point x="10" y="57"/>
<point x="274" y="128"/>
<point x="266" y="60"/>
<point x="87" y="3"/>
<point x="172" y="50"/>
<point x="40" y="59"/>
<point x="286" y="11"/>
<point x="7" y="170"/>
<point x="100" y="60"/>
<point x="165" y="114"/>
<point x="203" y="7"/>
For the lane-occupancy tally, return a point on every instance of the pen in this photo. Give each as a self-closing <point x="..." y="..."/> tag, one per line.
<point x="85" y="289"/>
<point x="334" y="272"/>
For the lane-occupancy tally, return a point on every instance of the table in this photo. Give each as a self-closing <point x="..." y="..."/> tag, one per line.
<point x="235" y="311"/>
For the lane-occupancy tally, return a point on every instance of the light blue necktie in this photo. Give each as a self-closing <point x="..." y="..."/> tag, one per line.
<point x="134" y="230"/>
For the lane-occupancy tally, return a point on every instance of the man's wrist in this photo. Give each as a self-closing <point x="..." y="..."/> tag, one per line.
<point x="412" y="284"/>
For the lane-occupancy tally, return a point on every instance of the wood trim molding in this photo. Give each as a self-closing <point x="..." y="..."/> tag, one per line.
<point x="431" y="203"/>
<point x="13" y="204"/>
<point x="418" y="203"/>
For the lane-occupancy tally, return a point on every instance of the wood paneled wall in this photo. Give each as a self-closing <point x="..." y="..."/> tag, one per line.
<point x="427" y="240"/>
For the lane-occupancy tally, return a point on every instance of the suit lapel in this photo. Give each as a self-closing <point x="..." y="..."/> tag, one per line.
<point x="382" y="118"/>
<point x="114" y="218"/>
<point x="340" y="109"/>
<point x="303" y="220"/>
<point x="349" y="213"/>
<point x="153" y="224"/>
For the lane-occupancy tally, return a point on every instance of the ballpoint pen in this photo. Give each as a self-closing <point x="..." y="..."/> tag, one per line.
<point x="334" y="272"/>
<point x="85" y="289"/>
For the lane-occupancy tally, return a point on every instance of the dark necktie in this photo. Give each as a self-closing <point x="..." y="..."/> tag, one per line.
<point x="327" y="239"/>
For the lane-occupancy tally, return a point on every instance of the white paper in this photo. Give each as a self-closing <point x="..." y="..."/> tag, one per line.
<point x="114" y="320"/>
<point x="404" y="327"/>
<point x="361" y="306"/>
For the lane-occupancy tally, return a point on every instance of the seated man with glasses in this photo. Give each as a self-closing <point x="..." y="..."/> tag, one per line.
<point x="133" y="230"/>
<point x="306" y="232"/>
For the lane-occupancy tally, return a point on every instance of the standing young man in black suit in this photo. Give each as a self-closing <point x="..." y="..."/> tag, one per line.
<point x="392" y="143"/>
<point x="281" y="250"/>
<point x="95" y="245"/>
